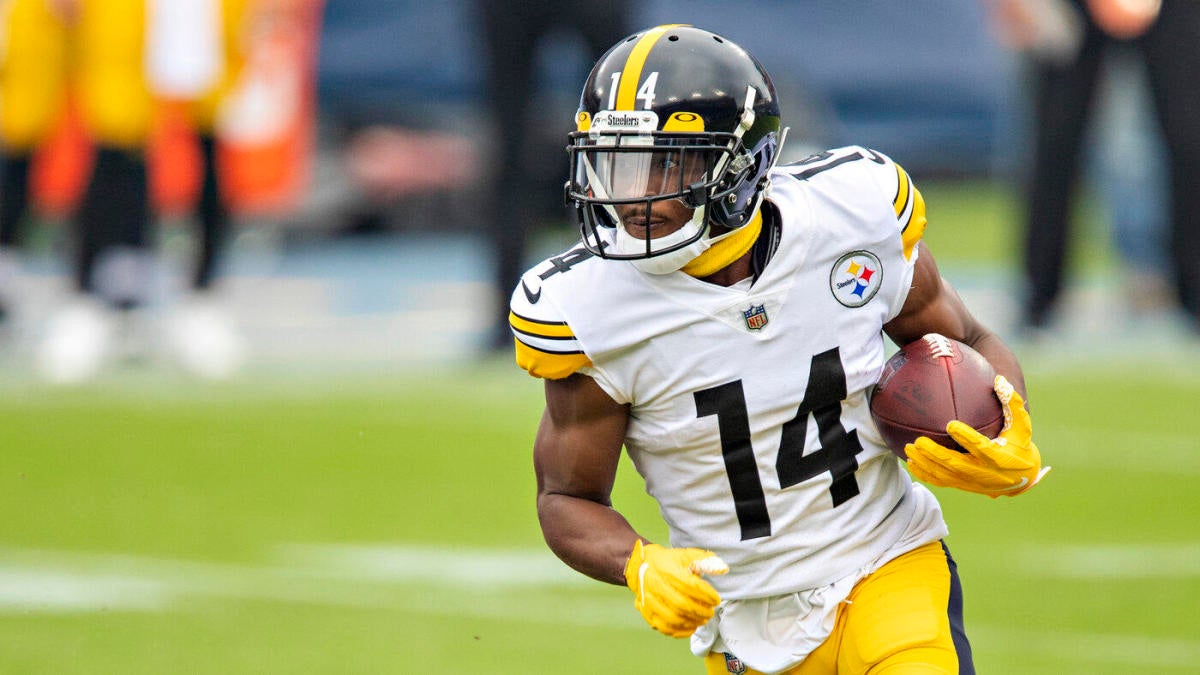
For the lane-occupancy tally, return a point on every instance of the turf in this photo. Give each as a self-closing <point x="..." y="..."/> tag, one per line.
<point x="200" y="492"/>
<point x="153" y="525"/>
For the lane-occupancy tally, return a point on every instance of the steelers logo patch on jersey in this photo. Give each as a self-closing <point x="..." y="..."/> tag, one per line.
<point x="856" y="278"/>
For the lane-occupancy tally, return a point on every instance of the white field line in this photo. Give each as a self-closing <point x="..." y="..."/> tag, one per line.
<point x="23" y="588"/>
<point x="502" y="585"/>
<point x="465" y="567"/>
<point x="382" y="577"/>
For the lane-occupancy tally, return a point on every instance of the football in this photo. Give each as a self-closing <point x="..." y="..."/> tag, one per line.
<point x="930" y="382"/>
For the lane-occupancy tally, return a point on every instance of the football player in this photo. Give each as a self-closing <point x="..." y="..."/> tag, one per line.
<point x="723" y="318"/>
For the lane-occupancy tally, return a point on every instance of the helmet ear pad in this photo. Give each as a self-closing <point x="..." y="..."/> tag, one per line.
<point x="739" y="206"/>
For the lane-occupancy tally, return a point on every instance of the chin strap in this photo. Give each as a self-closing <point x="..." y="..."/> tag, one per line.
<point x="725" y="249"/>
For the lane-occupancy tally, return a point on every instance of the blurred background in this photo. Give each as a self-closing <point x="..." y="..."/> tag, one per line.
<point x="258" y="411"/>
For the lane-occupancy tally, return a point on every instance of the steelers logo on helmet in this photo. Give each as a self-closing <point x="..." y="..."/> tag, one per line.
<point x="671" y="113"/>
<point x="855" y="278"/>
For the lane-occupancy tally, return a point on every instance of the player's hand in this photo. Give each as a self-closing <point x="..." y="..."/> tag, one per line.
<point x="668" y="588"/>
<point x="1007" y="465"/>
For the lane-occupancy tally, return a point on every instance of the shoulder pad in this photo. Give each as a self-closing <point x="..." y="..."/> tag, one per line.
<point x="893" y="183"/>
<point x="546" y="346"/>
<point x="820" y="162"/>
<point x="907" y="202"/>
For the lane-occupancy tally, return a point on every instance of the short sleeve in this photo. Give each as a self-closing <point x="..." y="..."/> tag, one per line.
<point x="546" y="347"/>
<point x="907" y="203"/>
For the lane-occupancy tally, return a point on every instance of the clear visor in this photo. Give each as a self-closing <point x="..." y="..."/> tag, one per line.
<point x="631" y="173"/>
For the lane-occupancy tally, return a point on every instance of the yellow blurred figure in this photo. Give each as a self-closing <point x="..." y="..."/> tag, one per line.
<point x="99" y="47"/>
<point x="195" y="51"/>
<point x="113" y="96"/>
<point x="94" y="46"/>
<point x="33" y="64"/>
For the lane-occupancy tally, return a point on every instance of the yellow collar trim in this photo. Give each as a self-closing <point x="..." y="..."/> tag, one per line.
<point x="727" y="250"/>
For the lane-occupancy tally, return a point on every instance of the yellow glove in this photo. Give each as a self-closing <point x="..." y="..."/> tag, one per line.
<point x="668" y="588"/>
<point x="1007" y="465"/>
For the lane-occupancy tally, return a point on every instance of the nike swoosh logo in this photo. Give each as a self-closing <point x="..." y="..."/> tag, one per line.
<point x="1018" y="486"/>
<point x="530" y="295"/>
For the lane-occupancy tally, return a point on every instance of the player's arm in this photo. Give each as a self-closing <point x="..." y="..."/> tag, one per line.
<point x="575" y="455"/>
<point x="575" y="458"/>
<point x="1007" y="465"/>
<point x="933" y="306"/>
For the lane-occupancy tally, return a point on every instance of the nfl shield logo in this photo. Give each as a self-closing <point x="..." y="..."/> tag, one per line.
<point x="734" y="665"/>
<point x="756" y="317"/>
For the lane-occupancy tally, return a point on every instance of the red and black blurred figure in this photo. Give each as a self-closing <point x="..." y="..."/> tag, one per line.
<point x="198" y="94"/>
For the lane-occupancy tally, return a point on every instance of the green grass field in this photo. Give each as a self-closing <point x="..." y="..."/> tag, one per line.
<point x="359" y="523"/>
<point x="374" y="524"/>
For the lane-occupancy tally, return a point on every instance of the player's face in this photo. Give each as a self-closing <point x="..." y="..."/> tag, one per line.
<point x="664" y="217"/>
<point x="634" y="175"/>
<point x="650" y="175"/>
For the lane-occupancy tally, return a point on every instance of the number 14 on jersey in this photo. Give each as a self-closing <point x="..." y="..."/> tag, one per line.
<point x="823" y="398"/>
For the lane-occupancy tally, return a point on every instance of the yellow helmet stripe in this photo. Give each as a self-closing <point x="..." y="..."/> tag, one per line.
<point x="632" y="73"/>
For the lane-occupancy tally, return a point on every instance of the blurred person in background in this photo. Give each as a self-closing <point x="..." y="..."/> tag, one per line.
<point x="514" y="31"/>
<point x="1068" y="40"/>
<point x="89" y="51"/>
<point x="1136" y="193"/>
<point x="33" y="61"/>
<point x="195" y="51"/>
<point x="122" y="63"/>
<point x="723" y="320"/>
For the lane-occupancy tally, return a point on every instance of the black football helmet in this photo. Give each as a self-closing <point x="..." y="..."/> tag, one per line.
<point x="672" y="112"/>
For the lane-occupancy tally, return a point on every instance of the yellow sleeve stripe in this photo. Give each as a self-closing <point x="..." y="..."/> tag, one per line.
<point x="903" y="190"/>
<point x="631" y="75"/>
<point x="547" y="365"/>
<point x="543" y="329"/>
<point x="915" y="227"/>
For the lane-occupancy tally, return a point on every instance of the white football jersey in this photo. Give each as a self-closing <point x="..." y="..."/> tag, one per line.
<point x="749" y="415"/>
